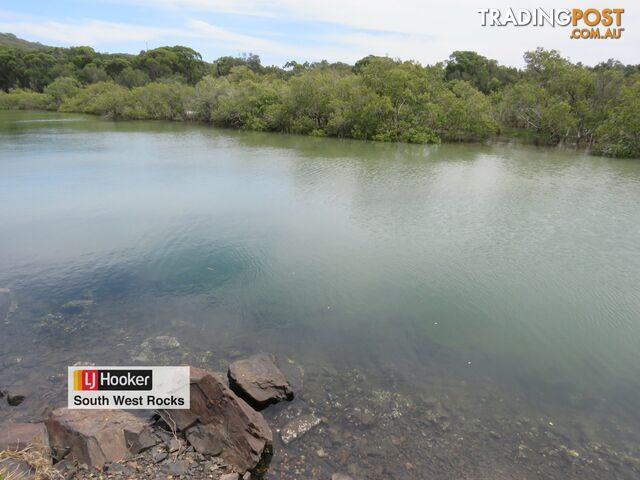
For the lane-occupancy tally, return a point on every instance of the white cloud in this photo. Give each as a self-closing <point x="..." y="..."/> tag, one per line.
<point x="88" y="32"/>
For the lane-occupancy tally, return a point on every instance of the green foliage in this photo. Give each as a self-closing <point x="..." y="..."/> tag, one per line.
<point x="103" y="98"/>
<point x="467" y="98"/>
<point x="619" y="134"/>
<point x="60" y="89"/>
<point x="21" y="99"/>
<point x="159" y="101"/>
<point x="167" y="61"/>
<point x="484" y="74"/>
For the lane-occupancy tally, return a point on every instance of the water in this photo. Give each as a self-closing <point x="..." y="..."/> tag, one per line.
<point x="502" y="280"/>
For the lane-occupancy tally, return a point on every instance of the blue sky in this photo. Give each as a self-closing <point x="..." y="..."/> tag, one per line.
<point x="281" y="30"/>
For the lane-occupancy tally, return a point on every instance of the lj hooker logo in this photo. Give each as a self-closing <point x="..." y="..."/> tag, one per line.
<point x="95" y="379"/>
<point x="590" y="23"/>
<point x="128" y="387"/>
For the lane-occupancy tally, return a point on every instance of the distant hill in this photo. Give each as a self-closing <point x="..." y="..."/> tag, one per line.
<point x="10" y="40"/>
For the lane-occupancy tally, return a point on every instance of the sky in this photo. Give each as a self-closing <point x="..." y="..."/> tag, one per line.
<point x="313" y="30"/>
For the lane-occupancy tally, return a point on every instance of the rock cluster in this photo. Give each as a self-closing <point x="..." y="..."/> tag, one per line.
<point x="222" y="433"/>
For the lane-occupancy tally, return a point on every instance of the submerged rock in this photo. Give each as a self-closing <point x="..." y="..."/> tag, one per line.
<point x="95" y="437"/>
<point x="15" y="399"/>
<point x="154" y="347"/>
<point x="76" y="307"/>
<point x="259" y="381"/>
<point x="299" y="426"/>
<point x="161" y="342"/>
<point x="221" y="423"/>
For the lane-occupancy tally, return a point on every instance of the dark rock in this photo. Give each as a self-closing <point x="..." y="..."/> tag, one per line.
<point x="15" y="399"/>
<point x="95" y="437"/>
<point x="18" y="436"/>
<point x="159" y="456"/>
<point x="16" y="468"/>
<point x="298" y="427"/>
<point x="67" y="468"/>
<point x="221" y="423"/>
<point x="205" y="440"/>
<point x="259" y="381"/>
<point x="294" y="373"/>
<point x="115" y="468"/>
<point x="179" y="467"/>
<point x="140" y="440"/>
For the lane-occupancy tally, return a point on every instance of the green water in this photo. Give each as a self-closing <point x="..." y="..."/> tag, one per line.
<point x="504" y="265"/>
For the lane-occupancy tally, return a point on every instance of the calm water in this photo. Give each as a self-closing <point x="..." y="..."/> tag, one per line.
<point x="509" y="266"/>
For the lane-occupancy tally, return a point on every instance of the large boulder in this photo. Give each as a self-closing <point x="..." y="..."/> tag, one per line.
<point x="96" y="437"/>
<point x="259" y="381"/>
<point x="18" y="436"/>
<point x="220" y="423"/>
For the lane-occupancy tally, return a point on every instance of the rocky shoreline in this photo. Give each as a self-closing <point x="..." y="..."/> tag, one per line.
<point x="347" y="419"/>
<point x="222" y="436"/>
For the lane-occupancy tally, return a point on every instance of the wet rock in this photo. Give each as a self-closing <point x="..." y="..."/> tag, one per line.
<point x="15" y="399"/>
<point x="18" y="436"/>
<point x="221" y="423"/>
<point x="294" y="373"/>
<point x="259" y="381"/>
<point x="298" y="427"/>
<point x="363" y="418"/>
<point x="95" y="437"/>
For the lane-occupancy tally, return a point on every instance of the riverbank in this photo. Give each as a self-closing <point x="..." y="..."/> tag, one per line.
<point x="334" y="427"/>
<point x="468" y="98"/>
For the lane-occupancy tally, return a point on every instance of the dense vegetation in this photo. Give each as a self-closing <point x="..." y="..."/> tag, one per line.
<point x="466" y="98"/>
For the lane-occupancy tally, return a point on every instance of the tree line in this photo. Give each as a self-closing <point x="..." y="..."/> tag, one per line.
<point x="468" y="97"/>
